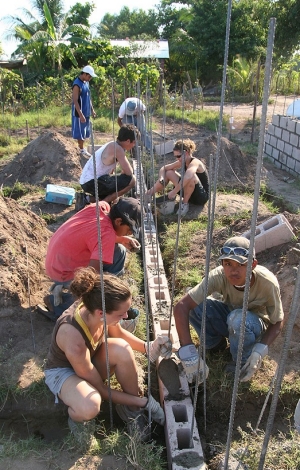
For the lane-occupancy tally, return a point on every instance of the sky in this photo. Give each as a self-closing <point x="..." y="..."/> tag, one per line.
<point x="11" y="7"/>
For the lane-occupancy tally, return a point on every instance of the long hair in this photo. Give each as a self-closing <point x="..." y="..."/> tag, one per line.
<point x="87" y="286"/>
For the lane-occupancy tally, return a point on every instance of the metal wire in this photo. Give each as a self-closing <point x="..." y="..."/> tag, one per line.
<point x="101" y="273"/>
<point x="252" y="232"/>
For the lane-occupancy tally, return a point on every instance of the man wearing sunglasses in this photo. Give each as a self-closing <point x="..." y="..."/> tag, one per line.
<point x="264" y="317"/>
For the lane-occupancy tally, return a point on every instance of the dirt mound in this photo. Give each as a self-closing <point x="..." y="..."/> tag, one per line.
<point x="23" y="240"/>
<point x="236" y="169"/>
<point x="50" y="158"/>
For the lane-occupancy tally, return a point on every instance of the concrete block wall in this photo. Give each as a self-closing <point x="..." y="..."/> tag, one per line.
<point x="282" y="142"/>
<point x="181" y="432"/>
<point x="273" y="232"/>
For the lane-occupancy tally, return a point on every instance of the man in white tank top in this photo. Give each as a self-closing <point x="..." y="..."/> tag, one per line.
<point x="110" y="185"/>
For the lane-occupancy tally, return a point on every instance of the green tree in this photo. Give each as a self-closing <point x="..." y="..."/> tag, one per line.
<point x="135" y="24"/>
<point x="80" y="14"/>
<point x="59" y="40"/>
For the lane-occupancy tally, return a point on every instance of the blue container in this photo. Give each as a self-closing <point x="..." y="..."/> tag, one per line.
<point x="59" y="194"/>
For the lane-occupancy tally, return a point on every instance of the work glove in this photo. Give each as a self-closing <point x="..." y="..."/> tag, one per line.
<point x="189" y="358"/>
<point x="157" y="413"/>
<point x="57" y="291"/>
<point x="297" y="417"/>
<point x="253" y="363"/>
<point x="161" y="346"/>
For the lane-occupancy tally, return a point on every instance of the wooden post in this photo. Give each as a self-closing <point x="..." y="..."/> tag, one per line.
<point x="27" y="129"/>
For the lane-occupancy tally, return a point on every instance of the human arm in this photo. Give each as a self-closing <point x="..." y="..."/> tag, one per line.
<point x="160" y="346"/>
<point x="71" y="342"/>
<point x="181" y="316"/>
<point x="93" y="111"/>
<point x="114" y="153"/>
<point x="260" y="350"/>
<point x="119" y="120"/>
<point x="190" y="174"/>
<point x="75" y="97"/>
<point x="130" y="243"/>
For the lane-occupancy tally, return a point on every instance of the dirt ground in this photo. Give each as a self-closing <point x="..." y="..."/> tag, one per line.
<point x="52" y="157"/>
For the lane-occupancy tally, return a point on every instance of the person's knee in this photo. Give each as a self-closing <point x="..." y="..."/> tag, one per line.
<point x="92" y="406"/>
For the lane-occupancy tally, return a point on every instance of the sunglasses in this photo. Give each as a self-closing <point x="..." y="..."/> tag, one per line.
<point x="237" y="251"/>
<point x="178" y="156"/>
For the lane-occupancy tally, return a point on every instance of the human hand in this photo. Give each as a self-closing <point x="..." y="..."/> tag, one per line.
<point x="161" y="346"/>
<point x="94" y="114"/>
<point x="135" y="246"/>
<point x="82" y="118"/>
<point x="57" y="291"/>
<point x="189" y="358"/>
<point x="157" y="413"/>
<point x="172" y="195"/>
<point x="253" y="363"/>
<point x="128" y="242"/>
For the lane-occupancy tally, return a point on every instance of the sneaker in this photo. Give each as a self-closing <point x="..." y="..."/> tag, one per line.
<point x="183" y="210"/>
<point x="80" y="201"/>
<point x="130" y="322"/>
<point x="136" y="421"/>
<point x="83" y="432"/>
<point x="85" y="152"/>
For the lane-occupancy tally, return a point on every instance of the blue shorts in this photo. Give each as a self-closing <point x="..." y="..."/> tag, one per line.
<point x="55" y="378"/>
<point x="80" y="130"/>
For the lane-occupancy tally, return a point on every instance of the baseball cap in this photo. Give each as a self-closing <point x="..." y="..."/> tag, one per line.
<point x="90" y="70"/>
<point x="129" y="209"/>
<point x="236" y="248"/>
<point x="130" y="107"/>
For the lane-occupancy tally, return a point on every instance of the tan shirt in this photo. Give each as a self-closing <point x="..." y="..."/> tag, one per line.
<point x="264" y="295"/>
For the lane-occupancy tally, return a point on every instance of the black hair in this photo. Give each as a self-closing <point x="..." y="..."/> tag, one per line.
<point x="127" y="132"/>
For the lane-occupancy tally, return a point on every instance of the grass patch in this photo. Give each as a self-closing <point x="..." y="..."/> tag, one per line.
<point x="140" y="455"/>
<point x="199" y="117"/>
<point x="18" y="190"/>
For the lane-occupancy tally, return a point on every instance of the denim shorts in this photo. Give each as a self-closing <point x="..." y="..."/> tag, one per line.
<point x="55" y="378"/>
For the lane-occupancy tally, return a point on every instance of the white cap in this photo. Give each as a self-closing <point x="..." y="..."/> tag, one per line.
<point x="90" y="70"/>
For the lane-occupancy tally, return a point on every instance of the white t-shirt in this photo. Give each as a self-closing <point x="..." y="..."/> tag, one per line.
<point x="101" y="169"/>
<point x="140" y="107"/>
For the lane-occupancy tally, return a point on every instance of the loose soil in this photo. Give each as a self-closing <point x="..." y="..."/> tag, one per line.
<point x="52" y="157"/>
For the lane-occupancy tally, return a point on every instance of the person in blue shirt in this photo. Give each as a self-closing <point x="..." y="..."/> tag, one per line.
<point x="82" y="107"/>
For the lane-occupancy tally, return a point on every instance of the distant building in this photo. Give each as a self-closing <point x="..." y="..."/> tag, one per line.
<point x="18" y="64"/>
<point x="158" y="49"/>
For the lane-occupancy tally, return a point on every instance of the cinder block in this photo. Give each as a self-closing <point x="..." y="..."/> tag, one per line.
<point x="280" y="145"/>
<point x="90" y="148"/>
<point x="285" y="136"/>
<point x="273" y="232"/>
<point x="291" y="125"/>
<point x="294" y="140"/>
<point x="273" y="141"/>
<point x="296" y="153"/>
<point x="288" y="148"/>
<point x="275" y="154"/>
<point x="290" y="162"/>
<point x="275" y="119"/>
<point x="271" y="129"/>
<point x="183" y="443"/>
<point x="165" y="147"/>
